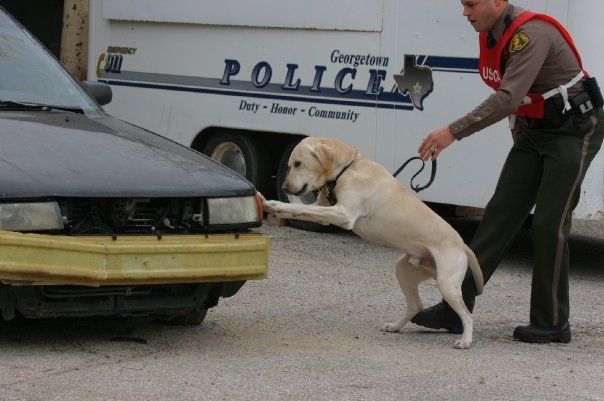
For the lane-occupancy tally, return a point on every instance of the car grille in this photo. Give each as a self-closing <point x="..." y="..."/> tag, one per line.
<point x="131" y="215"/>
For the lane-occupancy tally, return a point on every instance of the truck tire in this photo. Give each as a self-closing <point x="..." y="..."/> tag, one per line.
<point x="283" y="197"/>
<point x="242" y="154"/>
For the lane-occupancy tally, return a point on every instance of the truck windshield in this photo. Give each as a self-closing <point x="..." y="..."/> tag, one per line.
<point x="30" y="75"/>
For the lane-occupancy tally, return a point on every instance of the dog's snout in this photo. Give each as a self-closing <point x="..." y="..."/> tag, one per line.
<point x="292" y="190"/>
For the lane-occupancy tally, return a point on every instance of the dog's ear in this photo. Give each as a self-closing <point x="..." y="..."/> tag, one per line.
<point x="325" y="155"/>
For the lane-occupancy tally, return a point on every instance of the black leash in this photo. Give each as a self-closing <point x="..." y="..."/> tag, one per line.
<point x="417" y="188"/>
<point x="330" y="185"/>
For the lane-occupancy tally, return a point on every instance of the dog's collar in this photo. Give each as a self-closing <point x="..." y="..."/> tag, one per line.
<point x="331" y="185"/>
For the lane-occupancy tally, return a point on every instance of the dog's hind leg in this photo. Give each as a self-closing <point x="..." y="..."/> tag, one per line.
<point x="409" y="276"/>
<point x="451" y="269"/>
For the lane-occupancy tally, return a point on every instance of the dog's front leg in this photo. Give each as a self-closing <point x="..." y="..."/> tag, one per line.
<point x="336" y="215"/>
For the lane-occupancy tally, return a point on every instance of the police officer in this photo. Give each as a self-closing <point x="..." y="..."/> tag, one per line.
<point x="555" y="111"/>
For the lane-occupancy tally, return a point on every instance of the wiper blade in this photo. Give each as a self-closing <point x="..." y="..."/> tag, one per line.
<point x="10" y="104"/>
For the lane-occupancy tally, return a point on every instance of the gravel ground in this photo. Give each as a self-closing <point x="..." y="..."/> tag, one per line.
<point x="311" y="332"/>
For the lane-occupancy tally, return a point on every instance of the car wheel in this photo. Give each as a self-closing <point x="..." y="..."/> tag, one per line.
<point x="283" y="197"/>
<point x="192" y="318"/>
<point x="241" y="154"/>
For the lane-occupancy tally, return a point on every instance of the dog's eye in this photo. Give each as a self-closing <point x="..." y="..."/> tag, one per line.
<point x="297" y="164"/>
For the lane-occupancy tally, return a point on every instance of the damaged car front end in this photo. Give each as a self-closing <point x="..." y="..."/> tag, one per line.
<point x="99" y="217"/>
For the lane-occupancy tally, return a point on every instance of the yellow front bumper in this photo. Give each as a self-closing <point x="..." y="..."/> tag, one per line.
<point x="95" y="261"/>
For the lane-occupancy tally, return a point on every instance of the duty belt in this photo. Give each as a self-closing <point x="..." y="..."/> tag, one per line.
<point x="556" y="113"/>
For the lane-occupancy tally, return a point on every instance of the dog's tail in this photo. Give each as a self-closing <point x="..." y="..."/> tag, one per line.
<point x="475" y="268"/>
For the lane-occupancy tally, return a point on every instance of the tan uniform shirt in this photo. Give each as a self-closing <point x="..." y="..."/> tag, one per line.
<point x="546" y="62"/>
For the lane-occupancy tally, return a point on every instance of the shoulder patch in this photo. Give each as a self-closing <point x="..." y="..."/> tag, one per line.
<point x="518" y="42"/>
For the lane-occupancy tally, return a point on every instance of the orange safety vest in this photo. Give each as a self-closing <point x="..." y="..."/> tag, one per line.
<point x="491" y="68"/>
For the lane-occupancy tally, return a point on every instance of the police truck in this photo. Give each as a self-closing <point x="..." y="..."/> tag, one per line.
<point x="244" y="81"/>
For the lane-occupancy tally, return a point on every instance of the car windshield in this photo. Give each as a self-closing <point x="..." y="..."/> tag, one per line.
<point x="31" y="76"/>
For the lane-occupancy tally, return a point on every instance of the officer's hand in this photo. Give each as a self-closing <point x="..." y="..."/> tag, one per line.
<point x="435" y="142"/>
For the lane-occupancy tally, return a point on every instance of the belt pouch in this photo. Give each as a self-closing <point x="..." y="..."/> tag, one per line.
<point x="591" y="87"/>
<point x="582" y="105"/>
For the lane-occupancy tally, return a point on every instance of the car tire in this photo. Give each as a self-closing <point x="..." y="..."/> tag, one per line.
<point x="283" y="197"/>
<point x="192" y="318"/>
<point x="242" y="154"/>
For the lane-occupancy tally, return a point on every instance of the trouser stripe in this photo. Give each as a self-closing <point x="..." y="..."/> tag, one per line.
<point x="561" y="237"/>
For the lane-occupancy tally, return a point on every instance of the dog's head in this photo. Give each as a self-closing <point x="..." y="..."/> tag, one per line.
<point x="313" y="162"/>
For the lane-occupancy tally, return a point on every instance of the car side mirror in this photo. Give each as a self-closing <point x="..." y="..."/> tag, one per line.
<point x="99" y="91"/>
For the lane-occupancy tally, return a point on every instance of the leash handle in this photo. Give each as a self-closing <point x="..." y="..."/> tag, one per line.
<point x="417" y="188"/>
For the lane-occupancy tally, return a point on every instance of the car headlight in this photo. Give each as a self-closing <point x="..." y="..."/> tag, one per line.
<point x="246" y="209"/>
<point x="30" y="216"/>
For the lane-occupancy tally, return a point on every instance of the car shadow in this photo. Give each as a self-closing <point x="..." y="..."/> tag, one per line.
<point x="67" y="330"/>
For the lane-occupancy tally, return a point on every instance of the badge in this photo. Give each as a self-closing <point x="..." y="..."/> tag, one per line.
<point x="518" y="42"/>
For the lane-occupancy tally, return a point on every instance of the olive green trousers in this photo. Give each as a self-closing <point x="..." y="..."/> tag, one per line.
<point x="544" y="170"/>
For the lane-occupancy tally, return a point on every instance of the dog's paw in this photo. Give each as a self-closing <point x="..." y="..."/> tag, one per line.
<point x="391" y="327"/>
<point x="262" y="198"/>
<point x="266" y="204"/>
<point x="463" y="344"/>
<point x="270" y="206"/>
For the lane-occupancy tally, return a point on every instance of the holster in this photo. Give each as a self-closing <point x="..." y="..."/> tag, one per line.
<point x="552" y="116"/>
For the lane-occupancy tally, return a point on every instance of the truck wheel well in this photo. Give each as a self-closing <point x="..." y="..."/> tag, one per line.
<point x="274" y="143"/>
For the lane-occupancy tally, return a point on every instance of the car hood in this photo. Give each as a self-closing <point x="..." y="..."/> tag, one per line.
<point x="50" y="153"/>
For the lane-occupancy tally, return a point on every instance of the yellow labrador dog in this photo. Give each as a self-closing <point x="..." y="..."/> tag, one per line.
<point x="368" y="200"/>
